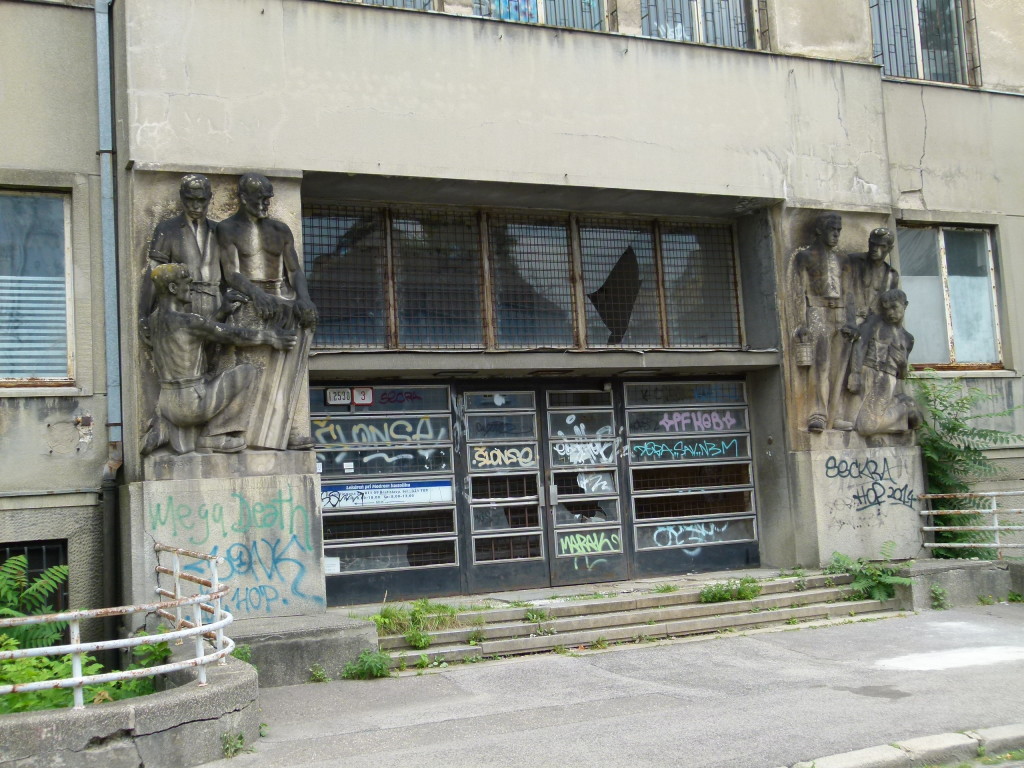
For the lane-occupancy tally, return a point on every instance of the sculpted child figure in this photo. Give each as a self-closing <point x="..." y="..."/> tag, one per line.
<point x="878" y="368"/>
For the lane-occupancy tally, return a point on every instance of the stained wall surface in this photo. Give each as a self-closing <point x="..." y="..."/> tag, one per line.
<point x="53" y="439"/>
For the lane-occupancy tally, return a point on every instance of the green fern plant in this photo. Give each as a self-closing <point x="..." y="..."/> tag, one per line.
<point x="21" y="597"/>
<point x="954" y="447"/>
<point x="872" y="580"/>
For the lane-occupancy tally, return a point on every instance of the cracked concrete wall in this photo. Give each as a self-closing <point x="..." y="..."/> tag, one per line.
<point x="956" y="159"/>
<point x="54" y="438"/>
<point x="323" y="86"/>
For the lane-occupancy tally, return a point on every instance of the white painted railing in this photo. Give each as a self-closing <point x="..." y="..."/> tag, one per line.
<point x="184" y="611"/>
<point x="976" y="503"/>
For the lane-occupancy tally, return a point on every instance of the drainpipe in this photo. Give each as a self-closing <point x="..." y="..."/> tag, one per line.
<point x="111" y="330"/>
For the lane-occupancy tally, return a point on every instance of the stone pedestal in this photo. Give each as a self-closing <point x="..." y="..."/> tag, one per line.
<point x="266" y="526"/>
<point x="864" y="497"/>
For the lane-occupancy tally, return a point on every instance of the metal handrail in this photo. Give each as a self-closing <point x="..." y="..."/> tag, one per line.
<point x="993" y="509"/>
<point x="205" y="602"/>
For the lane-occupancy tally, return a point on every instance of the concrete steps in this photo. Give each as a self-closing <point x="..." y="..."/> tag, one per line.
<point x="567" y="623"/>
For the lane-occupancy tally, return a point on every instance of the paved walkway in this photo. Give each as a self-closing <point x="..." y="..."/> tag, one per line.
<point x="756" y="700"/>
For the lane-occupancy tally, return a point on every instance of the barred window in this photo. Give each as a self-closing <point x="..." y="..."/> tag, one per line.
<point x="530" y="269"/>
<point x="714" y="22"/>
<point x="345" y="264"/>
<point x="576" y="14"/>
<point x="438" y="269"/>
<point x="463" y="279"/>
<point x="700" y="286"/>
<point x="34" y="288"/>
<point x="621" y="285"/>
<point x="925" y="39"/>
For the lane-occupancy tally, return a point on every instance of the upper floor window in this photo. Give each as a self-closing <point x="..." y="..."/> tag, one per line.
<point x="412" y="278"/>
<point x="575" y="14"/>
<point x="714" y="22"/>
<point x="949" y="278"/>
<point x="35" y="306"/>
<point x="925" y="39"/>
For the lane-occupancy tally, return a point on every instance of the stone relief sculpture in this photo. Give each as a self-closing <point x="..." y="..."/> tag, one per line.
<point x="210" y="288"/>
<point x="851" y="338"/>
<point x="197" y="409"/>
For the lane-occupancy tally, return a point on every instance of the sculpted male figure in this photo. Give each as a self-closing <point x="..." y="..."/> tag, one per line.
<point x="196" y="409"/>
<point x="189" y="239"/>
<point x="878" y="368"/>
<point x="821" y="285"/>
<point x="871" y="275"/>
<point x="258" y="259"/>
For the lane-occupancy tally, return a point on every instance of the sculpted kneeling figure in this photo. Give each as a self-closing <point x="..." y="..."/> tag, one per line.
<point x="878" y="368"/>
<point x="197" y="409"/>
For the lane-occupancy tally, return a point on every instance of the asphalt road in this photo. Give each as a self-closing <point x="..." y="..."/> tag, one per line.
<point x="735" y="701"/>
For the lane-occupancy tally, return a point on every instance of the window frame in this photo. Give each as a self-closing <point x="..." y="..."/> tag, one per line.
<point x="755" y="18"/>
<point x="968" y="39"/>
<point x="993" y="282"/>
<point x="82" y="327"/>
<point x="654" y="224"/>
<point x="69" y="299"/>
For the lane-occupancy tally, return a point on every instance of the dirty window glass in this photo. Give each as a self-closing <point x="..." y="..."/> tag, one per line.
<point x="33" y="287"/>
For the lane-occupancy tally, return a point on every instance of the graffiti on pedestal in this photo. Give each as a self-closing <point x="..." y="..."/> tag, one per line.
<point x="271" y="557"/>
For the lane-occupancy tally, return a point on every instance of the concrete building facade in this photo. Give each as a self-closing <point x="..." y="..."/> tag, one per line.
<point x="550" y="245"/>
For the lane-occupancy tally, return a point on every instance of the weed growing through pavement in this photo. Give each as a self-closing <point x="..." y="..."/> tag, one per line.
<point x="940" y="598"/>
<point x="317" y="674"/>
<point x="746" y="588"/>
<point x="369" y="665"/>
<point x="233" y="744"/>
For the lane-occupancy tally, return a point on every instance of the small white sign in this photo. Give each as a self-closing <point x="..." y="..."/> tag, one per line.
<point x="356" y="495"/>
<point x="332" y="565"/>
<point x="339" y="396"/>
<point x="362" y="395"/>
<point x="320" y="467"/>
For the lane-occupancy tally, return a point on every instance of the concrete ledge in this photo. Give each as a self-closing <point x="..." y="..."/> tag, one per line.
<point x="175" y="728"/>
<point x="942" y="748"/>
<point x="284" y="648"/>
<point x="927" y="750"/>
<point x="963" y="581"/>
<point x="872" y="757"/>
<point x="1003" y="738"/>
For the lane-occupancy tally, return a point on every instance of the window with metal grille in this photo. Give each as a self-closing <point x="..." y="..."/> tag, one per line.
<point x="577" y="14"/>
<point x="926" y="39"/>
<point x="700" y="286"/>
<point x="948" y="273"/>
<point x="41" y="555"/>
<point x="35" y="269"/>
<point x="507" y="10"/>
<point x="413" y="5"/>
<point x="621" y="284"/>
<point x="462" y="279"/>
<point x="346" y="265"/>
<point x="530" y="273"/>
<point x="714" y="22"/>
<point x="438" y="271"/>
